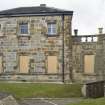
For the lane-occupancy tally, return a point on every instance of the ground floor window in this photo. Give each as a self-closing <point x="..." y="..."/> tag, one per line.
<point x="52" y="64"/>
<point x="89" y="64"/>
<point x="24" y="64"/>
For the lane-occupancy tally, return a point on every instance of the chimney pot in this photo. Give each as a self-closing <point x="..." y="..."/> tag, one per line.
<point x="42" y="5"/>
<point x="75" y="32"/>
<point x="100" y="30"/>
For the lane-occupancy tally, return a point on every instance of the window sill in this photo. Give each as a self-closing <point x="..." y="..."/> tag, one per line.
<point x="24" y="36"/>
<point x="2" y="36"/>
<point x="52" y="35"/>
<point x="89" y="74"/>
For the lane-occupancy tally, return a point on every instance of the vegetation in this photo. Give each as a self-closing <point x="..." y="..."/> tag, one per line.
<point x="100" y="101"/>
<point x="24" y="90"/>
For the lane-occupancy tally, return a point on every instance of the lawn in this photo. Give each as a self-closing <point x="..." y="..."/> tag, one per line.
<point x="24" y="90"/>
<point x="100" y="101"/>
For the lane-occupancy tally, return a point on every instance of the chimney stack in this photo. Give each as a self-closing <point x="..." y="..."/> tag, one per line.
<point x="100" y="30"/>
<point x="42" y="5"/>
<point x="76" y="32"/>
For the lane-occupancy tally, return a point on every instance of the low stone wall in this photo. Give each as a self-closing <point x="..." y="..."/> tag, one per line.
<point x="85" y="46"/>
<point x="7" y="99"/>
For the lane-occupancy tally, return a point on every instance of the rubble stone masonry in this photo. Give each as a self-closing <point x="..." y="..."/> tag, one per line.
<point x="90" y="45"/>
<point x="37" y="46"/>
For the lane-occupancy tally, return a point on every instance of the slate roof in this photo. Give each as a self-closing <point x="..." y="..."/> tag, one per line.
<point x="38" y="10"/>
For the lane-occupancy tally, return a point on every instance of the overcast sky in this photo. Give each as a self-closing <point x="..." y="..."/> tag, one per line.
<point x="88" y="14"/>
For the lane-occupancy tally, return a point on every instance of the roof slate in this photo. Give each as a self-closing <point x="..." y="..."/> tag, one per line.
<point x="34" y="11"/>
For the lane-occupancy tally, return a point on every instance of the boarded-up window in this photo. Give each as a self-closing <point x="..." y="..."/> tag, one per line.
<point x="1" y="67"/>
<point x="52" y="64"/>
<point x="89" y="64"/>
<point x="24" y="64"/>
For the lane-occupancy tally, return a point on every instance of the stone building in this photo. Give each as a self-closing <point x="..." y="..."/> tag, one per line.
<point x="35" y="44"/>
<point x="88" y="57"/>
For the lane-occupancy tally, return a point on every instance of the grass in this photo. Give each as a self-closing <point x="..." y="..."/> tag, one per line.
<point x="99" y="101"/>
<point x="24" y="90"/>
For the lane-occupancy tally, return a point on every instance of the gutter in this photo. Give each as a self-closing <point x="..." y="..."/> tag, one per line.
<point x="36" y="14"/>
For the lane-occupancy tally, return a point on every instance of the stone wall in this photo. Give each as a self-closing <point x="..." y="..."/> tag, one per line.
<point x="93" y="46"/>
<point x="10" y="100"/>
<point x="37" y="46"/>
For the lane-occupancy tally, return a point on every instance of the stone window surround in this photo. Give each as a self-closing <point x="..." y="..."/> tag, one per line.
<point x="51" y="29"/>
<point x="80" y="69"/>
<point x="23" y="28"/>
<point x="18" y="64"/>
<point x="52" y="22"/>
<point x="19" y="33"/>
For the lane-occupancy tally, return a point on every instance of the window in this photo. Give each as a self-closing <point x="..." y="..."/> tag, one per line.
<point x="89" y="64"/>
<point x="52" y="29"/>
<point x="52" y="64"/>
<point x="23" y="28"/>
<point x="24" y="64"/>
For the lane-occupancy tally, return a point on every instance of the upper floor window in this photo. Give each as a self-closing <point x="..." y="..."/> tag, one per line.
<point x="52" y="30"/>
<point x="23" y="28"/>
